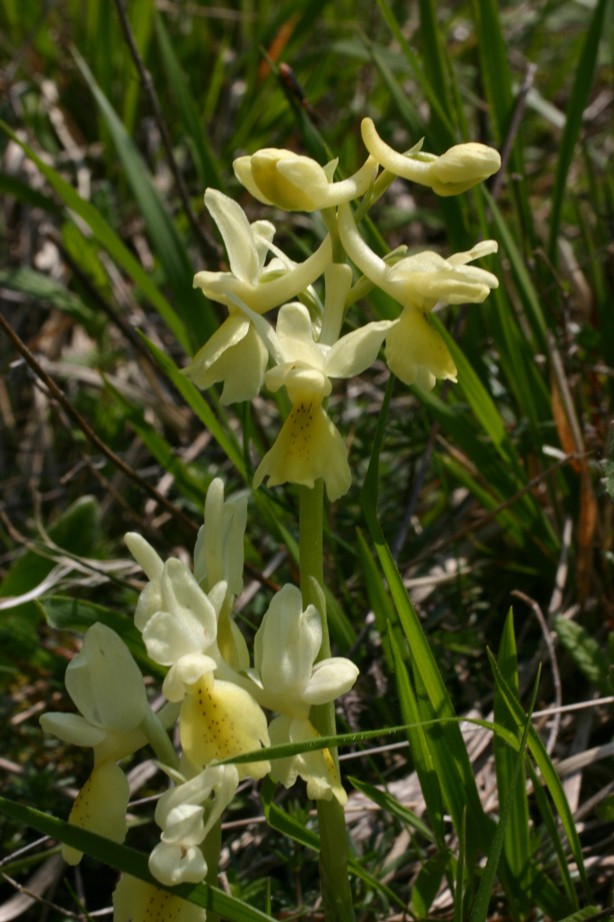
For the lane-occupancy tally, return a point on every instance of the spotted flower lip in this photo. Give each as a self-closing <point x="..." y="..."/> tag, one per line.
<point x="137" y="901"/>
<point x="296" y="183"/>
<point x="453" y="172"/>
<point x="309" y="446"/>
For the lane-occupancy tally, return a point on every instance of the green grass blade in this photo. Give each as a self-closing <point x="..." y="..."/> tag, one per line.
<point x="168" y="245"/>
<point x="129" y="861"/>
<point x="294" y="829"/>
<point x="107" y="239"/>
<point x="201" y="408"/>
<point x="548" y="772"/>
<point x="479" y="912"/>
<point x="422" y="756"/>
<point x="391" y="805"/>
<point x="516" y="840"/>
<point x="460" y="791"/>
<point x="141" y="22"/>
<point x="435" y="101"/>
<point x="190" y="118"/>
<point x="585" y="70"/>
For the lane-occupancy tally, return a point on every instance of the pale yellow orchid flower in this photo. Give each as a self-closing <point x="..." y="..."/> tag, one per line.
<point x="296" y="183"/>
<point x="415" y="351"/>
<point x="451" y="173"/>
<point x="235" y="354"/>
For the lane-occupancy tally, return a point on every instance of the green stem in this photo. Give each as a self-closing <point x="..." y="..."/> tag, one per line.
<point x="336" y="893"/>
<point x="158" y="739"/>
<point x="211" y="848"/>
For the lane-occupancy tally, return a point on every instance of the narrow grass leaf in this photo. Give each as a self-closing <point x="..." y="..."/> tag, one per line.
<point x="190" y="118"/>
<point x="584" y="72"/>
<point x="295" y="829"/>
<point x="170" y="249"/>
<point x="201" y="408"/>
<point x="457" y="780"/>
<point x="391" y="805"/>
<point x="479" y="912"/>
<point x="530" y="299"/>
<point x="428" y="883"/>
<point x="67" y="614"/>
<point x="129" y="861"/>
<point x="516" y="840"/>
<point x="107" y="239"/>
<point x="544" y="763"/>
<point x="552" y="828"/>
<point x="434" y="100"/>
<point x="426" y="770"/>
<point x="478" y="397"/>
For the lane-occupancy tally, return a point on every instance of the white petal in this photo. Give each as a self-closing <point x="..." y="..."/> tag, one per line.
<point x="105" y="683"/>
<point x="356" y="351"/>
<point x="331" y="678"/>
<point x="72" y="728"/>
<point x="237" y="234"/>
<point x="173" y="864"/>
<point x="144" y="554"/>
<point x="287" y="643"/>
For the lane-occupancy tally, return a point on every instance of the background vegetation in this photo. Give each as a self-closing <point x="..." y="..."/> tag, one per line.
<point x="493" y="493"/>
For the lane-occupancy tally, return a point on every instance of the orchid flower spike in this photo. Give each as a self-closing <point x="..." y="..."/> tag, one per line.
<point x="415" y="351"/>
<point x="455" y="171"/>
<point x="234" y="354"/>
<point x="290" y="682"/>
<point x="296" y="183"/>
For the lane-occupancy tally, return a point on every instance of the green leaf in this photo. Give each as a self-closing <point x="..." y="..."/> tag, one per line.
<point x="586" y="652"/>
<point x="170" y="249"/>
<point x="428" y="882"/>
<point x="551" y="779"/>
<point x="446" y="745"/>
<point x="67" y="614"/>
<point x="129" y="861"/>
<point x="584" y="72"/>
<point x="191" y="119"/>
<point x="107" y="238"/>
<point x="516" y="841"/>
<point x="508" y="804"/>
<point x="192" y="396"/>
<point x="74" y="533"/>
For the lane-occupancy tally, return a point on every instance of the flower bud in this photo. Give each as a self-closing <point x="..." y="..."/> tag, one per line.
<point x="462" y="166"/>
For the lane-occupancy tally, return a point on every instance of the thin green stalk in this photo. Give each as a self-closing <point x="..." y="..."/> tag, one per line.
<point x="336" y="893"/>
<point x="211" y="850"/>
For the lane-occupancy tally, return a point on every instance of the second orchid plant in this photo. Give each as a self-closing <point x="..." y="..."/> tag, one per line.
<point x="223" y="699"/>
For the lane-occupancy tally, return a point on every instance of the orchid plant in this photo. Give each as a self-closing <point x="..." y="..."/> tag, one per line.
<point x="225" y="700"/>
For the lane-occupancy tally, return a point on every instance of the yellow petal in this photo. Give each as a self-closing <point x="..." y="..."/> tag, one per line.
<point x="416" y="353"/>
<point x="136" y="901"/>
<point x="100" y="807"/>
<point x="308" y="447"/>
<point x="219" y="719"/>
